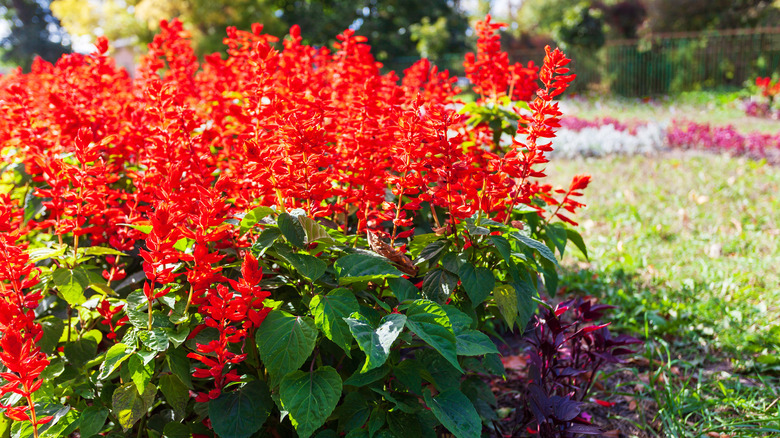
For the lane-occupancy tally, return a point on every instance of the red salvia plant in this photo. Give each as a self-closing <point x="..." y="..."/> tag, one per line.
<point x="144" y="181"/>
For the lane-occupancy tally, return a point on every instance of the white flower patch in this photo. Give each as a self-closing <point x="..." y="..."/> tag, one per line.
<point x="606" y="140"/>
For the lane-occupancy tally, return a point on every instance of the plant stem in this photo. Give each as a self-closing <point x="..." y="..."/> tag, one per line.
<point x="70" y="314"/>
<point x="32" y="412"/>
<point x="150" y="314"/>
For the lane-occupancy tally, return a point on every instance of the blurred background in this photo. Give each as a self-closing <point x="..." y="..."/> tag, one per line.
<point x="657" y="46"/>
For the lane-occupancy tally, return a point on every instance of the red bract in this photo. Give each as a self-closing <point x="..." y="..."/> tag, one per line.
<point x="22" y="359"/>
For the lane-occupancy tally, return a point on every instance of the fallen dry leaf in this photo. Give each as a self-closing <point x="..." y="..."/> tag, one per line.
<point x="514" y="362"/>
<point x="614" y="433"/>
<point x="392" y="254"/>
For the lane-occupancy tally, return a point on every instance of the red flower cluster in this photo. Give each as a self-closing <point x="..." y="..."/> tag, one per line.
<point x="489" y="68"/>
<point x="234" y="315"/>
<point x="22" y="359"/>
<point x="767" y="88"/>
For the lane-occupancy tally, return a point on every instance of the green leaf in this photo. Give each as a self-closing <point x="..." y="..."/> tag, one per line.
<point x="253" y="217"/>
<point x="478" y="282"/>
<point x="32" y="205"/>
<point x="100" y="250"/>
<point x="115" y="355"/>
<point x="146" y="229"/>
<point x="375" y="343"/>
<point x="543" y="250"/>
<point x="177" y="336"/>
<point x="575" y="238"/>
<point x="459" y="320"/>
<point x="241" y="413"/>
<point x="71" y="284"/>
<point x="353" y="412"/>
<point x="314" y="231"/>
<point x="179" y="365"/>
<point x="505" y="249"/>
<point x="310" y="397"/>
<point x="292" y="230"/>
<point x="177" y="430"/>
<point x="284" y="342"/>
<point x="439" y="370"/>
<point x="409" y="373"/>
<point x="329" y="312"/>
<point x="474" y="343"/>
<point x="376" y="421"/>
<point x="362" y="267"/>
<point x="53" y="328"/>
<point x="550" y="275"/>
<point x="438" y="285"/>
<point x="557" y="235"/>
<point x="430" y="323"/>
<point x="92" y="420"/>
<point x="38" y="254"/>
<point x="433" y="251"/>
<point x="79" y="353"/>
<point x="265" y="240"/>
<point x="155" y="339"/>
<point x="481" y="396"/>
<point x="176" y="394"/>
<point x="102" y="288"/>
<point x="403" y="289"/>
<point x="526" y="306"/>
<point x="182" y="244"/>
<point x="140" y="373"/>
<point x="369" y="377"/>
<point x="309" y="266"/>
<point x="403" y="425"/>
<point x="506" y="299"/>
<point x="129" y="406"/>
<point x="456" y="413"/>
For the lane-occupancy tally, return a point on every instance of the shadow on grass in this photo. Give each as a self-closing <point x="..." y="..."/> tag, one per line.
<point x="686" y="381"/>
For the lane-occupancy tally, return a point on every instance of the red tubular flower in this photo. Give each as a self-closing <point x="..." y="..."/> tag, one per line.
<point x="109" y="312"/>
<point x="234" y="315"/>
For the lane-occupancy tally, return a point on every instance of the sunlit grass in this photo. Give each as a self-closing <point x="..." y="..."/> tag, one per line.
<point x="689" y="247"/>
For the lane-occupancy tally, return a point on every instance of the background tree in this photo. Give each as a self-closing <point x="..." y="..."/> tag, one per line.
<point x="139" y="19"/>
<point x="695" y="15"/>
<point x="388" y="23"/>
<point x="34" y="31"/>
<point x="581" y="26"/>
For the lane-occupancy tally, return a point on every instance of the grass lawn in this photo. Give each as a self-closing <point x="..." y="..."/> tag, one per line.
<point x="688" y="245"/>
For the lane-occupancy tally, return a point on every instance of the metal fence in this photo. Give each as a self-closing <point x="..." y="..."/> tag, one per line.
<point x="660" y="64"/>
<point x="675" y="62"/>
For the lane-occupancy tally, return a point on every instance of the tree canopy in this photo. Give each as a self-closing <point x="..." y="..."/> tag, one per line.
<point x="34" y="31"/>
<point x="389" y="24"/>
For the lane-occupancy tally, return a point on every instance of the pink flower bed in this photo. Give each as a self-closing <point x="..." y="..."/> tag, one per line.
<point x="756" y="145"/>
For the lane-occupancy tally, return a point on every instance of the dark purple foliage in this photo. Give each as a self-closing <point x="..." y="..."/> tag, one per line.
<point x="566" y="348"/>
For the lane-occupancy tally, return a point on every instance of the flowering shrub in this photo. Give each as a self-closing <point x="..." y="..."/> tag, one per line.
<point x="285" y="239"/>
